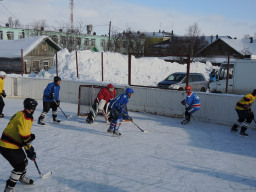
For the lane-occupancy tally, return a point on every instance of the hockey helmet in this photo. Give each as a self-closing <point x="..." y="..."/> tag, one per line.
<point x="110" y="86"/>
<point x="30" y="103"/>
<point x="129" y="91"/>
<point x="188" y="88"/>
<point x="56" y="79"/>
<point x="2" y="73"/>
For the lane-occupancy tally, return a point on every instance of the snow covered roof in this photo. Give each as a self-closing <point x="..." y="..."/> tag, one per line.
<point x="242" y="45"/>
<point x="12" y="48"/>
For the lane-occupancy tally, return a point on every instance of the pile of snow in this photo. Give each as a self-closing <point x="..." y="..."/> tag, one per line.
<point x="145" y="71"/>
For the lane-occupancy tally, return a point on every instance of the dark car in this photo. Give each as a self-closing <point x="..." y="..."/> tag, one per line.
<point x="177" y="81"/>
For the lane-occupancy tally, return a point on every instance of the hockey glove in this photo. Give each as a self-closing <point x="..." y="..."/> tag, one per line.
<point x="3" y="94"/>
<point x="52" y="95"/>
<point x="58" y="103"/>
<point x="31" y="154"/>
<point x="183" y="102"/>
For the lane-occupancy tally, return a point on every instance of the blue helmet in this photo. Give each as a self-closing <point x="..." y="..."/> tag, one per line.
<point x="129" y="91"/>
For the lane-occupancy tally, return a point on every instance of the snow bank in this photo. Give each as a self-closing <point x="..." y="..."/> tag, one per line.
<point x="145" y="71"/>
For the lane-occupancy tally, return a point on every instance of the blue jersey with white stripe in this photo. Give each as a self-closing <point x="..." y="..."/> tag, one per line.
<point x="192" y="100"/>
<point x="119" y="102"/>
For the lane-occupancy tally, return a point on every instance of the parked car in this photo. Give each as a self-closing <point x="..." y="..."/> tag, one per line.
<point x="177" y="81"/>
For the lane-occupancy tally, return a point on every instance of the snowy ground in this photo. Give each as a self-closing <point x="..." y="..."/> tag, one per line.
<point x="169" y="158"/>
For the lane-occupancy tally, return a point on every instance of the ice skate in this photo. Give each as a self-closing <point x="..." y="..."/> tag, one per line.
<point x="117" y="133"/>
<point x="184" y="122"/>
<point x="24" y="179"/>
<point x="243" y="134"/>
<point x="40" y="122"/>
<point x="1" y="115"/>
<point x="8" y="189"/>
<point x="55" y="120"/>
<point x="110" y="130"/>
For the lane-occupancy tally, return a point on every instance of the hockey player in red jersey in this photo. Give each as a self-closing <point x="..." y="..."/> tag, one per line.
<point x="101" y="102"/>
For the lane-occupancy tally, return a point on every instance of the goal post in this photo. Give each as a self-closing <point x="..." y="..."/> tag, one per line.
<point x="87" y="95"/>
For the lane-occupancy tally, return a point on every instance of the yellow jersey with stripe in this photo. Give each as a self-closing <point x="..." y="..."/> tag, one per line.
<point x="246" y="102"/>
<point x="1" y="85"/>
<point x="18" y="130"/>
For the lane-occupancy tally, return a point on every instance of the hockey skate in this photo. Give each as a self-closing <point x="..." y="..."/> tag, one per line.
<point x="117" y="133"/>
<point x="55" y="120"/>
<point x="110" y="130"/>
<point x="24" y="179"/>
<point x="40" y="122"/>
<point x="8" y="189"/>
<point x="243" y="134"/>
<point x="184" y="122"/>
<point x="1" y="115"/>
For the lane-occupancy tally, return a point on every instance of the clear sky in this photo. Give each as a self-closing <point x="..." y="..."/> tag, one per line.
<point x="223" y="17"/>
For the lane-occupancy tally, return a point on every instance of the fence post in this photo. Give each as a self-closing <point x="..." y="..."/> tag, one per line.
<point x="129" y="68"/>
<point x="77" y="66"/>
<point x="102" y="72"/>
<point x="188" y="69"/>
<point x="22" y="62"/>
<point x="57" y="63"/>
<point x="227" y="74"/>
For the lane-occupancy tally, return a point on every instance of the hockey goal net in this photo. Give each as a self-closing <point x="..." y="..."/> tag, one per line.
<point x="86" y="96"/>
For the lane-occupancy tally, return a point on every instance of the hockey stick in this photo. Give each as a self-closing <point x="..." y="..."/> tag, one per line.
<point x="39" y="172"/>
<point x="103" y="111"/>
<point x="68" y="117"/>
<point x="138" y="127"/>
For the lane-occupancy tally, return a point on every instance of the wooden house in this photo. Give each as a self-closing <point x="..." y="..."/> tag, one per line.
<point x="33" y="54"/>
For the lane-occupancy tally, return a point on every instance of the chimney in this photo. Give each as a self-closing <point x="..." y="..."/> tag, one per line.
<point x="7" y="24"/>
<point x="217" y="36"/>
<point x="89" y="29"/>
<point x="251" y="39"/>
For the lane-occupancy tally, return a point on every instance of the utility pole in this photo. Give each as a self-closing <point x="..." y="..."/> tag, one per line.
<point x="71" y="14"/>
<point x="109" y="35"/>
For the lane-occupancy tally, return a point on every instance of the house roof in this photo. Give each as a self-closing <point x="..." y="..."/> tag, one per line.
<point x="241" y="46"/>
<point x="12" y="48"/>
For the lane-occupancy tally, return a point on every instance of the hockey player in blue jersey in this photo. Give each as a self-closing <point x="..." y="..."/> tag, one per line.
<point x="118" y="112"/>
<point x="192" y="104"/>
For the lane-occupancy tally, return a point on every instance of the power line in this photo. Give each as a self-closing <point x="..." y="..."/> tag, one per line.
<point x="8" y="10"/>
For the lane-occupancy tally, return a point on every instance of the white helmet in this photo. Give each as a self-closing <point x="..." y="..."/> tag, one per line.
<point x="2" y="73"/>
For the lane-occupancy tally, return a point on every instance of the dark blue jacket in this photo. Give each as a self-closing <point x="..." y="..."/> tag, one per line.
<point x="119" y="103"/>
<point x="51" y="87"/>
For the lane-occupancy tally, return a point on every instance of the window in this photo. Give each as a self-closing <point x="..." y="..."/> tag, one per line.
<point x="1" y="35"/>
<point x="78" y="41"/>
<point x="223" y="73"/>
<point x="124" y="44"/>
<point x="63" y="40"/>
<point x="93" y="42"/>
<point x="21" y="35"/>
<point x="46" y="65"/>
<point x="102" y="43"/>
<point x="86" y="41"/>
<point x="10" y="35"/>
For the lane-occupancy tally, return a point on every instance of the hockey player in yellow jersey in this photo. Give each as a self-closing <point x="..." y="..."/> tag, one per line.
<point x="17" y="135"/>
<point x="2" y="93"/>
<point x="244" y="112"/>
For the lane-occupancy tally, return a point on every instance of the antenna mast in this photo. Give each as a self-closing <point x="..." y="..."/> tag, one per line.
<point x="71" y="4"/>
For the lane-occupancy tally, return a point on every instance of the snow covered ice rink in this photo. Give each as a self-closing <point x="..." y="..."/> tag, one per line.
<point x="171" y="157"/>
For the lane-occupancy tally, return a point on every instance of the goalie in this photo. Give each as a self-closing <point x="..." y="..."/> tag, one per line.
<point x="101" y="102"/>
